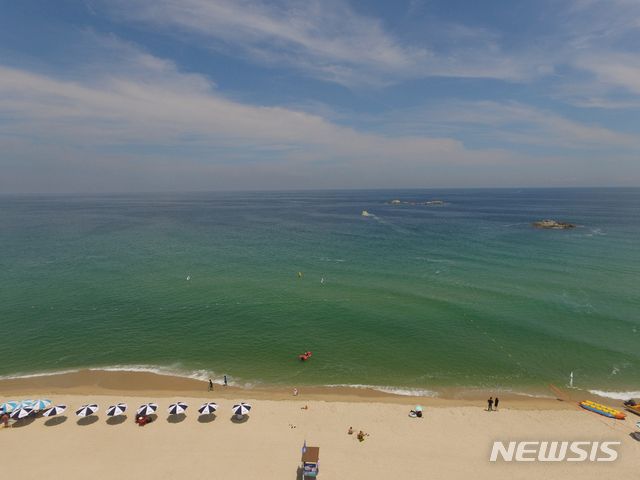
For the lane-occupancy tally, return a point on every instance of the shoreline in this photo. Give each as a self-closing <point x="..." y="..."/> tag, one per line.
<point x="136" y="384"/>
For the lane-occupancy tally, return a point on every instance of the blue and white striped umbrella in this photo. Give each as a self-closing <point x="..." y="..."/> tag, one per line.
<point x="241" y="408"/>
<point x="21" y="412"/>
<point x="24" y="403"/>
<point x="87" y="410"/>
<point x="8" y="407"/>
<point x="57" y="410"/>
<point x="177" y="408"/>
<point x="147" y="409"/>
<point x="41" y="404"/>
<point x="117" y="409"/>
<point x="208" y="408"/>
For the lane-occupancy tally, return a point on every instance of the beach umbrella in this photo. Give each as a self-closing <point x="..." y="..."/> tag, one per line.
<point x="117" y="409"/>
<point x="8" y="407"/>
<point x="147" y="409"/>
<point x="87" y="410"/>
<point x="57" y="410"/>
<point x="418" y="408"/>
<point x="41" y="404"/>
<point x="176" y="408"/>
<point x="241" y="409"/>
<point x="208" y="408"/>
<point x="21" y="412"/>
<point x="24" y="403"/>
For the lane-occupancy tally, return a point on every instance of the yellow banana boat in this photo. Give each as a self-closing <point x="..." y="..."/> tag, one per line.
<point x="602" y="410"/>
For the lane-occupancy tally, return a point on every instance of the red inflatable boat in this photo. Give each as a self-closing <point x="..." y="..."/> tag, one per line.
<point x="305" y="356"/>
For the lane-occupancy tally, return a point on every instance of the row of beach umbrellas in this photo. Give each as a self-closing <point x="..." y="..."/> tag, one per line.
<point x="26" y="407"/>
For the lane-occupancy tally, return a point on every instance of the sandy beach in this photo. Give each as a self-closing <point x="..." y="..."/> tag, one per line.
<point x="453" y="440"/>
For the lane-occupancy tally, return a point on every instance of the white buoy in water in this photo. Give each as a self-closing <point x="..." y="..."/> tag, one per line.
<point x="189" y="277"/>
<point x="322" y="280"/>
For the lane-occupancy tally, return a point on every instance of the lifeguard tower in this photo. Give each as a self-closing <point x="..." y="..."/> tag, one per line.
<point x="310" y="462"/>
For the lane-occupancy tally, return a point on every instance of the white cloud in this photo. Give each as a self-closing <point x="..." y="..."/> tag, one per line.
<point x="620" y="69"/>
<point x="511" y="122"/>
<point x="325" y="39"/>
<point x="153" y="105"/>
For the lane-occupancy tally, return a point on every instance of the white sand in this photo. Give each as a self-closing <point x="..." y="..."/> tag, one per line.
<point x="448" y="443"/>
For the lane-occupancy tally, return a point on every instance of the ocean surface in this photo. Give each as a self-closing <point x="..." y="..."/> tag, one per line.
<point x="419" y="299"/>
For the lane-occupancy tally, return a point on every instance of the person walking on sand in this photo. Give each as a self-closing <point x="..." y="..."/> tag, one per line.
<point x="295" y="392"/>
<point x="225" y="380"/>
<point x="490" y="402"/>
<point x="210" y="385"/>
<point x="496" y="403"/>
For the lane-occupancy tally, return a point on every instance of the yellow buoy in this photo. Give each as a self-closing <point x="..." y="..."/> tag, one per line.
<point x="299" y="274"/>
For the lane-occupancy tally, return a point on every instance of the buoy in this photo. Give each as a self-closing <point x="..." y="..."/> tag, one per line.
<point x="299" y="274"/>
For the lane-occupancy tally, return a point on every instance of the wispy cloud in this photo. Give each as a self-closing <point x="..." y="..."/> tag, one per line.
<point x="507" y="123"/>
<point x="149" y="103"/>
<point x="325" y="39"/>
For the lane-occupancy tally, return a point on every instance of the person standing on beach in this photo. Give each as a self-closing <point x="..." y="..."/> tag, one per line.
<point x="225" y="380"/>
<point x="210" y="385"/>
<point x="295" y="392"/>
<point x="5" y="420"/>
<point x="496" y="403"/>
<point x="490" y="402"/>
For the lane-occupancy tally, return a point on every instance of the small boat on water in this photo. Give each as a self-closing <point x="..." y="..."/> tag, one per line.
<point x="602" y="410"/>
<point x="632" y="406"/>
<point x="305" y="356"/>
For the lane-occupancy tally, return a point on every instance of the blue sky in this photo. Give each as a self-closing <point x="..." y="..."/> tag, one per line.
<point x="168" y="95"/>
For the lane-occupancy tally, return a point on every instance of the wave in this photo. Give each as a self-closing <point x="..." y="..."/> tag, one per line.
<point x="409" y="392"/>
<point x="616" y="395"/>
<point x="202" y="375"/>
<point x="14" y="376"/>
<point x="168" y="371"/>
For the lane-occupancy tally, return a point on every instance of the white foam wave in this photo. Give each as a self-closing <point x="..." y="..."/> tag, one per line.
<point x="433" y="260"/>
<point x="13" y="376"/>
<point x="410" y="392"/>
<point x="202" y="375"/>
<point x="616" y="395"/>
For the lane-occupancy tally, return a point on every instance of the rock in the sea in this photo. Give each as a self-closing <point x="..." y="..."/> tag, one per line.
<point x="394" y="202"/>
<point x="409" y="203"/>
<point x="435" y="202"/>
<point x="552" y="224"/>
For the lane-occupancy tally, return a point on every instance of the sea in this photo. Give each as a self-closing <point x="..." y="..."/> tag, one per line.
<point x="409" y="299"/>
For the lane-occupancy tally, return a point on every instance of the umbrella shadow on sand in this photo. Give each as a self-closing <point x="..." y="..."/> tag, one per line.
<point x="91" y="419"/>
<point x="23" y="422"/>
<point x="53" y="421"/>
<point x="244" y="418"/>
<point x="206" y="418"/>
<point x="117" y="420"/>
<point x="177" y="418"/>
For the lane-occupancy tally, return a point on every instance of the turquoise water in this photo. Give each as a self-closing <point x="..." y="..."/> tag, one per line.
<point x="419" y="298"/>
